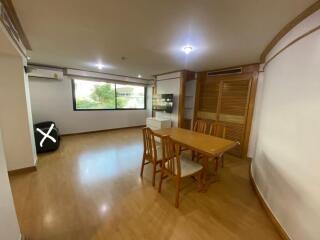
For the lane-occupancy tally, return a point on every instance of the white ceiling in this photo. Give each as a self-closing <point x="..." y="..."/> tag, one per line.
<point x="150" y="33"/>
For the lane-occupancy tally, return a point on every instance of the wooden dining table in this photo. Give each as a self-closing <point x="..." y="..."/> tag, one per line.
<point x="208" y="146"/>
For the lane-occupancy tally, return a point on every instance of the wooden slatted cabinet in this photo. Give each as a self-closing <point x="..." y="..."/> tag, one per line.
<point x="226" y="96"/>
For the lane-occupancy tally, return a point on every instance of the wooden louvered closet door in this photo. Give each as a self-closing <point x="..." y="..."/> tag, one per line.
<point x="234" y="99"/>
<point x="228" y="99"/>
<point x="209" y="97"/>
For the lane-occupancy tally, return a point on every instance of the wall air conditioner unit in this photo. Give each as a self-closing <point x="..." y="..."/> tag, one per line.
<point x="56" y="74"/>
<point x="225" y="72"/>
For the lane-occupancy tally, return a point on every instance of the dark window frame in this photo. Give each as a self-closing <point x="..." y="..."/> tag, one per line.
<point x="74" y="102"/>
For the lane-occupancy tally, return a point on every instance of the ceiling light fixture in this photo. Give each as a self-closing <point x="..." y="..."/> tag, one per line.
<point x="139" y="76"/>
<point x="100" y="66"/>
<point x="187" y="49"/>
<point x="28" y="58"/>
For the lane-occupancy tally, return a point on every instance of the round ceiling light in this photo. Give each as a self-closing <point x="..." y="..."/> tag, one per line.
<point x="100" y="66"/>
<point x="187" y="49"/>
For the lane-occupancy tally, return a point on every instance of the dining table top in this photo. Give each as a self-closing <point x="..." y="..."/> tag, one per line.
<point x="203" y="143"/>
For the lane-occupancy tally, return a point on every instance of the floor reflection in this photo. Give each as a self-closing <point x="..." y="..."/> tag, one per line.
<point x="90" y="189"/>
<point x="105" y="164"/>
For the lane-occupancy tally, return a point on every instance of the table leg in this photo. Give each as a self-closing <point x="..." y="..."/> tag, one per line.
<point x="207" y="179"/>
<point x="205" y="163"/>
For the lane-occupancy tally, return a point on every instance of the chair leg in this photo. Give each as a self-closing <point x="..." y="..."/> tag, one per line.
<point x="217" y="164"/>
<point x="160" y="183"/>
<point x="199" y="179"/>
<point x="195" y="156"/>
<point x="205" y="170"/>
<point x="154" y="174"/>
<point x="222" y="161"/>
<point x="142" y="166"/>
<point x="177" y="193"/>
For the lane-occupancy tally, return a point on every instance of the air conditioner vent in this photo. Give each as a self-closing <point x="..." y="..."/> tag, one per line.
<point x="225" y="71"/>
<point x="34" y="71"/>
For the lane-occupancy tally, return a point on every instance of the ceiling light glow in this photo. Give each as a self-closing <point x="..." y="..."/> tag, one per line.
<point x="187" y="49"/>
<point x="139" y="76"/>
<point x="100" y="66"/>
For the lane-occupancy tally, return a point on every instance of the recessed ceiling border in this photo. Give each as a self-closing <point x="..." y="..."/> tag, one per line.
<point x="287" y="28"/>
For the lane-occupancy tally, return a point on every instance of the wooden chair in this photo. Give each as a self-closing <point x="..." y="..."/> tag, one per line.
<point x="177" y="167"/>
<point x="200" y="126"/>
<point x="152" y="153"/>
<point x="218" y="130"/>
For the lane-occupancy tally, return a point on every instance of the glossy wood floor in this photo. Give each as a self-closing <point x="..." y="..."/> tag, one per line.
<point x="90" y="189"/>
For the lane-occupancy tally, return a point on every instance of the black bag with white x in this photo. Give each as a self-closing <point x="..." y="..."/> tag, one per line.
<point x="43" y="143"/>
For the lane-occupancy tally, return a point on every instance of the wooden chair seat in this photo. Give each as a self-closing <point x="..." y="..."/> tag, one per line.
<point x="188" y="167"/>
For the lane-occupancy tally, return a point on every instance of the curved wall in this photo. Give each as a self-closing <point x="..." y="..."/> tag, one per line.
<point x="286" y="160"/>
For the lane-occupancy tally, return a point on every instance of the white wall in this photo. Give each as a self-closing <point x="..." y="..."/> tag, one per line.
<point x="52" y="100"/>
<point x="286" y="161"/>
<point x="149" y="101"/>
<point x="170" y="84"/>
<point x="9" y="228"/>
<point x="15" y="117"/>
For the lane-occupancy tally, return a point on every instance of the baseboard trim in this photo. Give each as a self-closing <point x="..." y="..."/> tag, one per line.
<point x="103" y="130"/>
<point x="273" y="219"/>
<point x="22" y="171"/>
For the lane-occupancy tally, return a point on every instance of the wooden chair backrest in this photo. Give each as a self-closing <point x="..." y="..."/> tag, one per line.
<point x="149" y="144"/>
<point x="218" y="130"/>
<point x="171" y="156"/>
<point x="200" y="126"/>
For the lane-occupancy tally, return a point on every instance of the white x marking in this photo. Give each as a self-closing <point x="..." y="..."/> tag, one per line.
<point x="46" y="135"/>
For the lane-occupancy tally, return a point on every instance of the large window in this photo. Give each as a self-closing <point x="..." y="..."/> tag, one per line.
<point x="99" y="95"/>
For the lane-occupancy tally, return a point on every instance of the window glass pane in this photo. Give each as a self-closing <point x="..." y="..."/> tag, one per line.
<point x="130" y="96"/>
<point x="94" y="94"/>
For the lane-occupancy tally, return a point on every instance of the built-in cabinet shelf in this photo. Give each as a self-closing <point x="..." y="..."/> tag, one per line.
<point x="183" y="85"/>
<point x="189" y="101"/>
